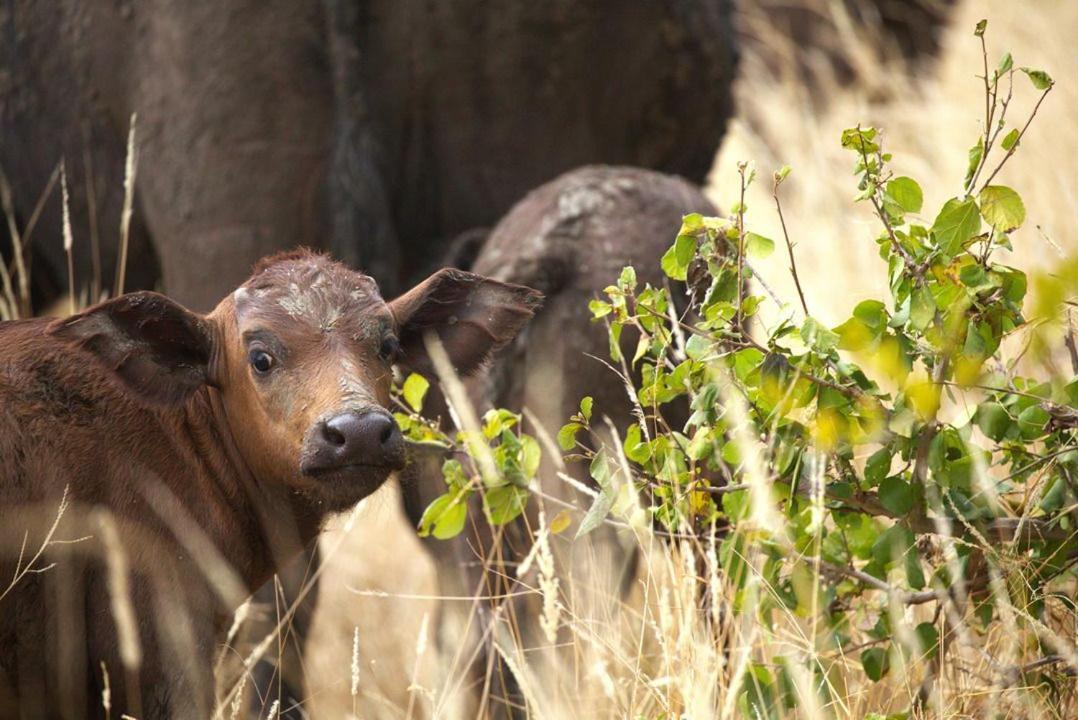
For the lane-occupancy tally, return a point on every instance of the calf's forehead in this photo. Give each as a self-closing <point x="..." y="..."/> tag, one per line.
<point x="315" y="295"/>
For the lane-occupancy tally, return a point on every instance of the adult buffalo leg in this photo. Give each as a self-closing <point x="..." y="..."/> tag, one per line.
<point x="235" y="118"/>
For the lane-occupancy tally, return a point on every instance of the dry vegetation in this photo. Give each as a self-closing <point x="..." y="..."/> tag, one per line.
<point x="662" y="657"/>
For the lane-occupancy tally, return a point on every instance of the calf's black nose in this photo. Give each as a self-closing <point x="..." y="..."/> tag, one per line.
<point x="351" y="438"/>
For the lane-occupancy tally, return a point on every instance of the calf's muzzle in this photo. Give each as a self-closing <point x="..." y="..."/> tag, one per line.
<point x="368" y="438"/>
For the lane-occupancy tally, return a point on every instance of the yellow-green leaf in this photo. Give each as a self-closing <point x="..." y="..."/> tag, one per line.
<point x="1040" y="79"/>
<point x="414" y="390"/>
<point x="1002" y="207"/>
<point x="560" y="522"/>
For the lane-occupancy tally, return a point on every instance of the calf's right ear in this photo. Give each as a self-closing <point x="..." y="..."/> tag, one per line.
<point x="156" y="347"/>
<point x="473" y="316"/>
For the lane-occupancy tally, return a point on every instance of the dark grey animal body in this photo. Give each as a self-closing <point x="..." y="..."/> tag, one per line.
<point x="569" y="238"/>
<point x="379" y="129"/>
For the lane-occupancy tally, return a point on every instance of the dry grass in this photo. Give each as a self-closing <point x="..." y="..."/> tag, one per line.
<point x="658" y="654"/>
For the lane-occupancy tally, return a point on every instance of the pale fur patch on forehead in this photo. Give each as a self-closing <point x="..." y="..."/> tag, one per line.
<point x="312" y="290"/>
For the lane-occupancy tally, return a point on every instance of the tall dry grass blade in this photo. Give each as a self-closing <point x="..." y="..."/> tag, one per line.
<point x="130" y="170"/>
<point x="39" y="208"/>
<point x="106" y="691"/>
<point x="420" y="651"/>
<point x="69" y="240"/>
<point x="16" y="304"/>
<point x="123" y="611"/>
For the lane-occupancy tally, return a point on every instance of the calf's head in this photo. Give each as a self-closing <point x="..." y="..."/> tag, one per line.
<point x="301" y="356"/>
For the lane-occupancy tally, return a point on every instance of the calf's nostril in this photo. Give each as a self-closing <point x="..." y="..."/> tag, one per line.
<point x="332" y="435"/>
<point x="387" y="432"/>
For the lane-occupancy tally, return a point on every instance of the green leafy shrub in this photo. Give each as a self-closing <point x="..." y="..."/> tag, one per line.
<point x="923" y="452"/>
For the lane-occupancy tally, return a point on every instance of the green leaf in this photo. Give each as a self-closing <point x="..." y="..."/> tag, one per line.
<point x="993" y="420"/>
<point x="860" y="140"/>
<point x="599" y="308"/>
<point x="957" y="222"/>
<point x="414" y="390"/>
<point x="444" y="518"/>
<point x="627" y="279"/>
<point x="922" y="309"/>
<point x="600" y="468"/>
<point x="560" y="522"/>
<point x="758" y="246"/>
<point x="976" y="154"/>
<point x="872" y="313"/>
<point x="818" y="336"/>
<point x="1010" y="139"/>
<point x="530" y="457"/>
<point x="896" y="495"/>
<point x="877" y="466"/>
<point x="876" y="663"/>
<point x="980" y="28"/>
<point x="495" y="421"/>
<point x="585" y="406"/>
<point x="675" y="262"/>
<point x="567" y="436"/>
<point x="928" y="638"/>
<point x="598" y="510"/>
<point x="1005" y="64"/>
<point x="1040" y="79"/>
<point x="1032" y="422"/>
<point x="504" y="504"/>
<point x="892" y="546"/>
<point x="1002" y="207"/>
<point x="636" y="449"/>
<point x="906" y="193"/>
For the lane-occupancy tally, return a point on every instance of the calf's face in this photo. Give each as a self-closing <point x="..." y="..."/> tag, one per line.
<point x="302" y="357"/>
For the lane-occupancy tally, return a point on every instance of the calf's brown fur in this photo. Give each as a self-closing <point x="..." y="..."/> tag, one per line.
<point x="191" y="456"/>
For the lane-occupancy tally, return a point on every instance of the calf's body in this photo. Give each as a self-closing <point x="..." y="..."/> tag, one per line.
<point x="167" y="463"/>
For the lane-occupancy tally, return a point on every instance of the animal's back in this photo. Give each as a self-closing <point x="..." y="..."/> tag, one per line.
<point x="65" y="429"/>
<point x="58" y="413"/>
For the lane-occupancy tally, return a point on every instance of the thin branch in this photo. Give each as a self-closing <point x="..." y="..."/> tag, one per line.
<point x="789" y="245"/>
<point x="906" y="597"/>
<point x="1021" y="134"/>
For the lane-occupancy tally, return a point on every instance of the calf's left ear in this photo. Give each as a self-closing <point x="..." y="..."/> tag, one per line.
<point x="473" y="316"/>
<point x="156" y="347"/>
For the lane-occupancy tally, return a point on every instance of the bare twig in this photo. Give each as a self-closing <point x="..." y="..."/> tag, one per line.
<point x="906" y="597"/>
<point x="789" y="245"/>
<point x="1021" y="134"/>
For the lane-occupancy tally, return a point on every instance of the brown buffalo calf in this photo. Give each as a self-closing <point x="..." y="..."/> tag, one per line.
<point x="187" y="457"/>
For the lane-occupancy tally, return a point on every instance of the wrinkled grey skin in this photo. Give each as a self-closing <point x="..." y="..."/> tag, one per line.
<point x="569" y="239"/>
<point x="378" y="129"/>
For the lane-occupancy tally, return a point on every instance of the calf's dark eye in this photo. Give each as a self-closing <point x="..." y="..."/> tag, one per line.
<point x="261" y="361"/>
<point x="388" y="350"/>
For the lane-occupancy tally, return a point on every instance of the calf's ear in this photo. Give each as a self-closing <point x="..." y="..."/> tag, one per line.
<point x="156" y="347"/>
<point x="473" y="316"/>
